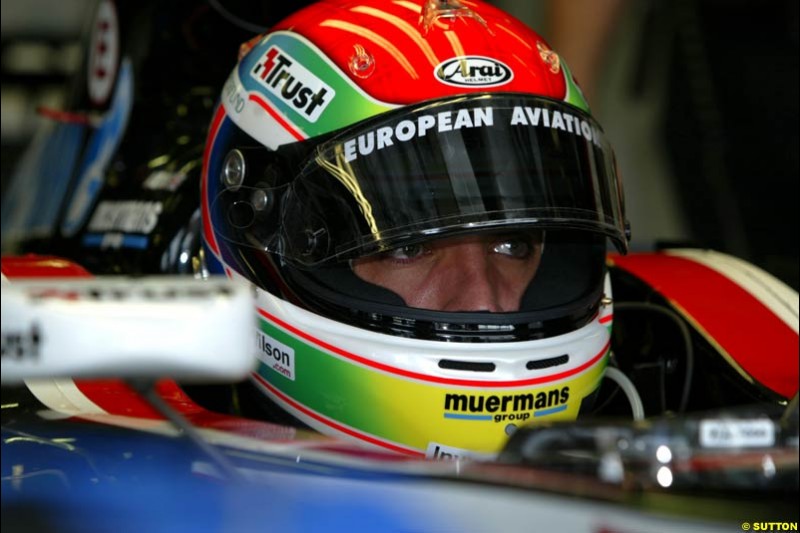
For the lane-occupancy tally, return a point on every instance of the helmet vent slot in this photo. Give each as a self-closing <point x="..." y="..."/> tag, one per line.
<point x="540" y="364"/>
<point x="469" y="366"/>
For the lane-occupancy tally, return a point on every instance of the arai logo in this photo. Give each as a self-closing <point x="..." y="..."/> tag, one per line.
<point x="473" y="71"/>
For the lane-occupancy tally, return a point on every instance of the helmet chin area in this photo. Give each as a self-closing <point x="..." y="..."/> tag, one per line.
<point x="421" y="397"/>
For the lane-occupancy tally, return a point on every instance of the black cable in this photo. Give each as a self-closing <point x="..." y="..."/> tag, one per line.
<point x="687" y="338"/>
<point x="147" y="389"/>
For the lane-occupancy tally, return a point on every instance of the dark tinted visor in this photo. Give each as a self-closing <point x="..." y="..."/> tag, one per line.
<point x="475" y="163"/>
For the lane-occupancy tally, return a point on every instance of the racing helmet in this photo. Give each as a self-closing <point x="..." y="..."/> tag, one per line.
<point x="355" y="129"/>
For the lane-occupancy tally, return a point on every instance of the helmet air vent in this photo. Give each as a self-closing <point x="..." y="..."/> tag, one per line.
<point x="449" y="11"/>
<point x="469" y="366"/>
<point x="550" y="362"/>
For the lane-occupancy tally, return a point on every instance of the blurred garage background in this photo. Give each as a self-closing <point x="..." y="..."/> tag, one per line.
<point x="699" y="97"/>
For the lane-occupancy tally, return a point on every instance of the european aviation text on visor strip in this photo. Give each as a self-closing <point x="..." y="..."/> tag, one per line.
<point x="477" y="117"/>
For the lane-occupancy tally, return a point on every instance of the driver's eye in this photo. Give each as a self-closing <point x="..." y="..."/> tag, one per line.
<point x="517" y="248"/>
<point x="411" y="251"/>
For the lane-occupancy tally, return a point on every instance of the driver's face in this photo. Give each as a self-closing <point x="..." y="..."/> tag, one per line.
<point x="472" y="273"/>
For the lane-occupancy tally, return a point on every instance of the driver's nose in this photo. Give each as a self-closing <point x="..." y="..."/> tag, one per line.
<point x="467" y="280"/>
